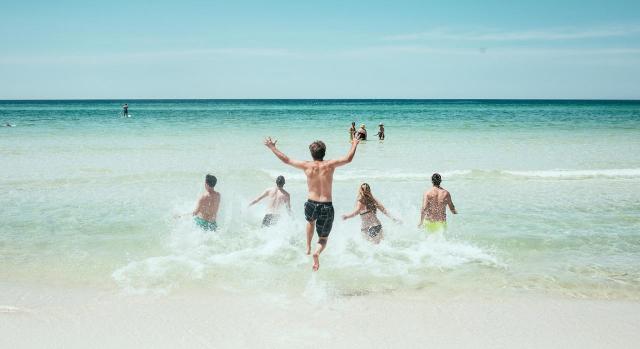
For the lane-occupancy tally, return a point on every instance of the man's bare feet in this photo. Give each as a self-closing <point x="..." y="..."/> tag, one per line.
<point x="308" y="250"/>
<point x="316" y="262"/>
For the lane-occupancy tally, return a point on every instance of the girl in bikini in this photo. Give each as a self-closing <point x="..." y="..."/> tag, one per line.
<point x="366" y="207"/>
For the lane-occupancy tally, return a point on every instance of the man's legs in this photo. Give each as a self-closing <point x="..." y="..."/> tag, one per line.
<point x="322" y="243"/>
<point x="310" y="226"/>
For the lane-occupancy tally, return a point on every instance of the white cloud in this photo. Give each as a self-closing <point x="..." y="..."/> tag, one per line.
<point x="554" y="34"/>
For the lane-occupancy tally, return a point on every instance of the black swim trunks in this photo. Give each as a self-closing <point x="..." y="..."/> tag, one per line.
<point x="322" y="213"/>
<point x="270" y="219"/>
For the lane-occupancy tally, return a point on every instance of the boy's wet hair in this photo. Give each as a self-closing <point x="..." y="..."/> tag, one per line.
<point x="280" y="181"/>
<point x="317" y="149"/>
<point x="436" y="179"/>
<point x="211" y="180"/>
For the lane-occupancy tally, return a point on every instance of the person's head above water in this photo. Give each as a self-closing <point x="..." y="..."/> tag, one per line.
<point x="211" y="181"/>
<point x="280" y="181"/>
<point x="353" y="124"/>
<point x="362" y="126"/>
<point x="366" y="198"/>
<point x="317" y="150"/>
<point x="436" y="179"/>
<point x="365" y="189"/>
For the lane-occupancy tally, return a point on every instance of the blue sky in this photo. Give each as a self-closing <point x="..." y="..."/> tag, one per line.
<point x="328" y="49"/>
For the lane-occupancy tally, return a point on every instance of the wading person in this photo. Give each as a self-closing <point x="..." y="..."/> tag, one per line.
<point x="433" y="216"/>
<point x="276" y="198"/>
<point x="367" y="207"/>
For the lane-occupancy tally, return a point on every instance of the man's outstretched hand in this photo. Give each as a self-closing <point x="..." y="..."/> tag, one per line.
<point x="270" y="143"/>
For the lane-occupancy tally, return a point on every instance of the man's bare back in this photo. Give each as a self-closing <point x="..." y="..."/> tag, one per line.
<point x="206" y="210"/>
<point x="319" y="179"/>
<point x="276" y="197"/>
<point x="207" y="207"/>
<point x="435" y="202"/>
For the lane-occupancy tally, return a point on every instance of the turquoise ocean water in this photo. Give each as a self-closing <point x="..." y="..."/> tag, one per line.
<point x="548" y="194"/>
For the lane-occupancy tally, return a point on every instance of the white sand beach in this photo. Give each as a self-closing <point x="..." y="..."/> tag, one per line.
<point x="32" y="317"/>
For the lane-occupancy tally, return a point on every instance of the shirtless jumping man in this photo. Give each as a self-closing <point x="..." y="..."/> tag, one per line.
<point x="277" y="197"/>
<point x="318" y="209"/>
<point x="433" y="216"/>
<point x="206" y="210"/>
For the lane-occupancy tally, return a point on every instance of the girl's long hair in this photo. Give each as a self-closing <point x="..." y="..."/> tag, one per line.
<point x="367" y="199"/>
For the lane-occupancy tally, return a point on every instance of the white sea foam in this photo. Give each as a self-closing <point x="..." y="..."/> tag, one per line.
<point x="578" y="174"/>
<point x="157" y="274"/>
<point x="252" y="257"/>
<point x="350" y="175"/>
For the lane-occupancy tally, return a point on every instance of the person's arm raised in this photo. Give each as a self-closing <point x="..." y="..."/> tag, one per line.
<point x="271" y="144"/>
<point x="347" y="158"/>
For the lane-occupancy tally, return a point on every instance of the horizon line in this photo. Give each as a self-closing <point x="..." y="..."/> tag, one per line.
<point x="321" y="99"/>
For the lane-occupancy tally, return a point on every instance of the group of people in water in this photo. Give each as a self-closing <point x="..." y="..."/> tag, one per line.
<point x="361" y="133"/>
<point x="318" y="209"/>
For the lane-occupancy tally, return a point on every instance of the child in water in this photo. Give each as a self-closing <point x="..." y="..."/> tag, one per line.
<point x="352" y="131"/>
<point x="206" y="210"/>
<point x="366" y="206"/>
<point x="381" y="132"/>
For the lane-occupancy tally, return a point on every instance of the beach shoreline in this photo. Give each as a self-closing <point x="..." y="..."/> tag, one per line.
<point x="41" y="316"/>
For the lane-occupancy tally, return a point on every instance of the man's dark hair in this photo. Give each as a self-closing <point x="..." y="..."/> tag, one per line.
<point x="436" y="179"/>
<point x="317" y="149"/>
<point x="211" y="180"/>
<point x="280" y="181"/>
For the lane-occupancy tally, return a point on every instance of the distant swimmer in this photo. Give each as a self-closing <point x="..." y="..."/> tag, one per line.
<point x="381" y="132"/>
<point x="361" y="134"/>
<point x="433" y="216"/>
<point x="277" y="197"/>
<point x="206" y="210"/>
<point x="8" y="125"/>
<point x="352" y="131"/>
<point x="125" y="110"/>
<point x="318" y="210"/>
<point x="366" y="207"/>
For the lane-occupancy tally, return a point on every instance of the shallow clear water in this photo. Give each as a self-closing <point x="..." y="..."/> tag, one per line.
<point x="548" y="194"/>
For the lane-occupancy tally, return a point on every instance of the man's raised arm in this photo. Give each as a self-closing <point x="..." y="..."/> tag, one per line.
<point x="347" y="158"/>
<point x="271" y="144"/>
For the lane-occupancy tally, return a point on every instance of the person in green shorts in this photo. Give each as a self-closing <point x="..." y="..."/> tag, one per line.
<point x="207" y="207"/>
<point x="433" y="216"/>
